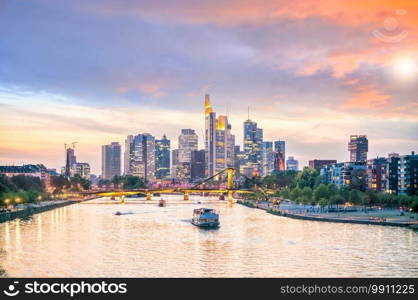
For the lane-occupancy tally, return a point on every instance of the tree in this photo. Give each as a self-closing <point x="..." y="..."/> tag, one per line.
<point x="354" y="197"/>
<point x="320" y="192"/>
<point x="307" y="178"/>
<point x="285" y="193"/>
<point x="358" y="180"/>
<point x="345" y="193"/>
<point x="26" y="183"/>
<point x="60" y="182"/>
<point x="323" y="202"/>
<point x="307" y="193"/>
<point x="133" y="182"/>
<point x="336" y="199"/>
<point x="104" y="182"/>
<point x="295" y="193"/>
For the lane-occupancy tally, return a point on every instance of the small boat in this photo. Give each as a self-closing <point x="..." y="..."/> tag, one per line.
<point x="118" y="213"/>
<point x="205" y="217"/>
<point x="162" y="203"/>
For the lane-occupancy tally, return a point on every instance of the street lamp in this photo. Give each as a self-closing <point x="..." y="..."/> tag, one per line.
<point x="7" y="201"/>
<point x="17" y="200"/>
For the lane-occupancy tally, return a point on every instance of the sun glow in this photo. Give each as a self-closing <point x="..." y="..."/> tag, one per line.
<point x="406" y="67"/>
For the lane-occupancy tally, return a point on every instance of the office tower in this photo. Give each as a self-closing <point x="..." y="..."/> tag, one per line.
<point x="292" y="164"/>
<point x="230" y="147"/>
<point x="358" y="147"/>
<point x="268" y="158"/>
<point x="210" y="137"/>
<point x="111" y="164"/>
<point x="279" y="156"/>
<point x="280" y="145"/>
<point x="198" y="164"/>
<point x="162" y="158"/>
<point x="253" y="148"/>
<point x="408" y="174"/>
<point x="174" y="162"/>
<point x="142" y="156"/>
<point x="320" y="163"/>
<point x="188" y="142"/>
<point x="70" y="161"/>
<point x="128" y="154"/>
<point x="376" y="174"/>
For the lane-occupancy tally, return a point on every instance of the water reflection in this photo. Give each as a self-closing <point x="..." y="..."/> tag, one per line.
<point x="89" y="240"/>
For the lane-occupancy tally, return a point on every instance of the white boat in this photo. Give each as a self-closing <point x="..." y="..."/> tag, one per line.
<point x="205" y="217"/>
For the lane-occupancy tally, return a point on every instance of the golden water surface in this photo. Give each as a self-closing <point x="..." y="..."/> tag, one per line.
<point x="88" y="240"/>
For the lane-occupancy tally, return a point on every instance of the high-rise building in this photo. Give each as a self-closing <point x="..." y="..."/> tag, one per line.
<point x="292" y="164"/>
<point x="111" y="164"/>
<point x="210" y="138"/>
<point x="219" y="141"/>
<point x="253" y="148"/>
<point x="198" y="164"/>
<point x="128" y="154"/>
<point x="279" y="156"/>
<point x="358" y="147"/>
<point x="174" y="162"/>
<point x="141" y="156"/>
<point x="188" y="142"/>
<point x="70" y="161"/>
<point x="162" y="158"/>
<point x="268" y="158"/>
<point x="320" y="163"/>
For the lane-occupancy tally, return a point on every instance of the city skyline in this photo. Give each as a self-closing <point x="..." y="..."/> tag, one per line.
<point x="312" y="75"/>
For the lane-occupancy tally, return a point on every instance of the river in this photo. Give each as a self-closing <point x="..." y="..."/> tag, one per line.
<point x="88" y="240"/>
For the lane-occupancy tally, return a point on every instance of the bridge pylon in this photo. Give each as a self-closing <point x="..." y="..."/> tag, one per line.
<point x="148" y="195"/>
<point x="186" y="196"/>
<point x="230" y="175"/>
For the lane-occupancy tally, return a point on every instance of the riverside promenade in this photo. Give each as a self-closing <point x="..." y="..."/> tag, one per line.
<point x="26" y="210"/>
<point x="383" y="218"/>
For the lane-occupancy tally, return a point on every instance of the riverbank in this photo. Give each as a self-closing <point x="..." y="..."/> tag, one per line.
<point x="31" y="209"/>
<point x="353" y="218"/>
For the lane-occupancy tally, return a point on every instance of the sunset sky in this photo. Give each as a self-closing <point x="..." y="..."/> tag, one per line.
<point x="312" y="72"/>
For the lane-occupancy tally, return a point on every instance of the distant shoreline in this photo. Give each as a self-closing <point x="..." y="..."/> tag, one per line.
<point x="282" y="213"/>
<point x="31" y="210"/>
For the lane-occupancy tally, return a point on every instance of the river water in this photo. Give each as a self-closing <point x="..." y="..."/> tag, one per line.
<point x="88" y="240"/>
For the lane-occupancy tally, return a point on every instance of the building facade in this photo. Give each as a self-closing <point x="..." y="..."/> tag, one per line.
<point x="198" y="165"/>
<point x="162" y="158"/>
<point x="141" y="156"/>
<point x="210" y="138"/>
<point x="253" y="149"/>
<point x="376" y="174"/>
<point x="292" y="164"/>
<point x="268" y="158"/>
<point x="111" y="160"/>
<point x="358" y="147"/>
<point x="408" y="174"/>
<point x="320" y="163"/>
<point x="279" y="155"/>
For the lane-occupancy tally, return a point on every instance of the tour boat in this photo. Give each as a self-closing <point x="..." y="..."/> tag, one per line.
<point x="205" y="217"/>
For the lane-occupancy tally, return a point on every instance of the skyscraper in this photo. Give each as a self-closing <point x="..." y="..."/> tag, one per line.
<point x="174" y="162"/>
<point x="279" y="156"/>
<point x="70" y="161"/>
<point x="219" y="141"/>
<point x="210" y="138"/>
<point x="198" y="164"/>
<point x="162" y="158"/>
<point x="253" y="148"/>
<point x="141" y="156"/>
<point x="268" y="158"/>
<point x="358" y="147"/>
<point x="111" y="164"/>
<point x="188" y="142"/>
<point x="128" y="154"/>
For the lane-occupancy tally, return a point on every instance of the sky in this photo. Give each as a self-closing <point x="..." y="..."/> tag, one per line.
<point x="312" y="73"/>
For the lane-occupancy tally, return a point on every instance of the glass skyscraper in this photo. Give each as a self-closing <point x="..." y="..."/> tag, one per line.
<point x="111" y="164"/>
<point x="162" y="158"/>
